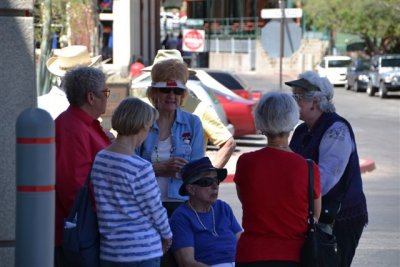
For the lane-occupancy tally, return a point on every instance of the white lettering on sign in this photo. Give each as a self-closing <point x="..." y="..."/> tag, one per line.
<point x="193" y="40"/>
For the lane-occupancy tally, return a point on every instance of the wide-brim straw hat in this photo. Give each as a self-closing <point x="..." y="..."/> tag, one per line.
<point x="164" y="54"/>
<point x="69" y="57"/>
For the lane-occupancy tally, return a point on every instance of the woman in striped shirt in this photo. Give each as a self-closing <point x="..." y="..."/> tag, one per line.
<point x="133" y="224"/>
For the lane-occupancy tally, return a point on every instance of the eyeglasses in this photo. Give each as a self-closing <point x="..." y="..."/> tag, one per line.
<point x="297" y="97"/>
<point x="207" y="181"/>
<point x="106" y="92"/>
<point x="167" y="90"/>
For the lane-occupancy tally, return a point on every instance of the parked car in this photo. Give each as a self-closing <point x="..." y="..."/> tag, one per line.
<point x="384" y="75"/>
<point x="239" y="110"/>
<point x="233" y="82"/>
<point x="357" y="75"/>
<point x="334" y="68"/>
<point x="140" y="84"/>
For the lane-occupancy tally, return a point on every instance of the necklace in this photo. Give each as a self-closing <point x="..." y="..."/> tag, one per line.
<point x="213" y="231"/>
<point x="168" y="141"/>
<point x="285" y="147"/>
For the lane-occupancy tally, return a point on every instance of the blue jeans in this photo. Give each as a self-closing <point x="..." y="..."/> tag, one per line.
<point x="146" y="263"/>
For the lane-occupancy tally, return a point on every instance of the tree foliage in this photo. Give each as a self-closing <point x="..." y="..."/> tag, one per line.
<point x="377" y="22"/>
<point x="75" y="20"/>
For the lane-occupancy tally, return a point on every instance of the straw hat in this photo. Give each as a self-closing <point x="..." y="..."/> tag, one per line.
<point x="68" y="58"/>
<point x="164" y="54"/>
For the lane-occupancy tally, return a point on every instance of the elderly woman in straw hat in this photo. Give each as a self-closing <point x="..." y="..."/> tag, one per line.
<point x="176" y="136"/>
<point x="205" y="230"/>
<point x="215" y="131"/>
<point x="63" y="60"/>
<point x="272" y="185"/>
<point x="328" y="139"/>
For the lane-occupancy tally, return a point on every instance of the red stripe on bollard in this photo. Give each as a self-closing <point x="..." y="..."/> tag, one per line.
<point x="35" y="140"/>
<point x="42" y="188"/>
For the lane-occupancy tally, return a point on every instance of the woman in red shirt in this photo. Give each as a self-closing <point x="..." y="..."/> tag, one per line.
<point x="272" y="185"/>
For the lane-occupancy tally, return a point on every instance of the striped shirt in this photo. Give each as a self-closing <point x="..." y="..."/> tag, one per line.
<point x="129" y="210"/>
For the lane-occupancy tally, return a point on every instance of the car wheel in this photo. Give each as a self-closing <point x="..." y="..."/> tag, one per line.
<point x="355" y="87"/>
<point x="382" y="90"/>
<point x="370" y="89"/>
<point x="347" y="86"/>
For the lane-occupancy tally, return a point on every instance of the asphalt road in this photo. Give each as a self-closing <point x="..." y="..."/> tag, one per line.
<point x="376" y="123"/>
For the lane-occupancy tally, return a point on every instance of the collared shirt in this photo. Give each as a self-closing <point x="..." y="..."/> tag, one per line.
<point x="55" y="102"/>
<point x="78" y="139"/>
<point x="186" y="131"/>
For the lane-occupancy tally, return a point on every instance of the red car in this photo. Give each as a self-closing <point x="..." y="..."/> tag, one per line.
<point x="233" y="82"/>
<point x="238" y="110"/>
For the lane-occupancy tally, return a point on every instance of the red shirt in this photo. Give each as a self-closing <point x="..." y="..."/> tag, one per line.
<point x="273" y="186"/>
<point x="136" y="69"/>
<point x="78" y="139"/>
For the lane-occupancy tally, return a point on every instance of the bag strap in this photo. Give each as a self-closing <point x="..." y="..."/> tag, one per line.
<point x="88" y="178"/>
<point x="310" y="192"/>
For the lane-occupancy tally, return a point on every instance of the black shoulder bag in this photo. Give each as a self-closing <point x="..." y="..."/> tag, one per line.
<point x="81" y="232"/>
<point x="320" y="248"/>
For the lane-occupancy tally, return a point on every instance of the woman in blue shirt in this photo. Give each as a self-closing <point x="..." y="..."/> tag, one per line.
<point x="205" y="230"/>
<point x="176" y="137"/>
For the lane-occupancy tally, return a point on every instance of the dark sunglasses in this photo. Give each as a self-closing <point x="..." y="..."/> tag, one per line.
<point x="206" y="182"/>
<point x="167" y="90"/>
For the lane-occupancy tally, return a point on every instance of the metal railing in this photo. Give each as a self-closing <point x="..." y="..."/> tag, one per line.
<point x="243" y="27"/>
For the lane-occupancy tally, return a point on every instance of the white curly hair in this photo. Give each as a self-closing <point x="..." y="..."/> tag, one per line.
<point x="276" y="114"/>
<point x="325" y="95"/>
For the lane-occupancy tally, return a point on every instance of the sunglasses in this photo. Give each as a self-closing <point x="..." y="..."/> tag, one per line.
<point x="206" y="182"/>
<point x="167" y="90"/>
<point x="106" y="92"/>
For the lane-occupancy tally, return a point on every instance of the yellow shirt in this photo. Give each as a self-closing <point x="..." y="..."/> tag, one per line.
<point x="214" y="130"/>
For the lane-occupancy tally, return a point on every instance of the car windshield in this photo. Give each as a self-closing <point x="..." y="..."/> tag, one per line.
<point x="391" y="62"/>
<point x="363" y="65"/>
<point x="338" y="63"/>
<point x="226" y="80"/>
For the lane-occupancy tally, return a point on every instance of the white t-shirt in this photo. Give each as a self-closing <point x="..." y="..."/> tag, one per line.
<point x="55" y="102"/>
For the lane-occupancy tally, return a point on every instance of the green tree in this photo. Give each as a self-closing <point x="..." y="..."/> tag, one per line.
<point x="377" y="22"/>
<point x="76" y="19"/>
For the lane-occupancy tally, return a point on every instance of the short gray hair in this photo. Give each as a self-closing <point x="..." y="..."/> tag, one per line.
<point x="324" y="96"/>
<point x="276" y="114"/>
<point x="80" y="81"/>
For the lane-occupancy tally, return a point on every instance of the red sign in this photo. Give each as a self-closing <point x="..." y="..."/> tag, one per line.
<point x="193" y="40"/>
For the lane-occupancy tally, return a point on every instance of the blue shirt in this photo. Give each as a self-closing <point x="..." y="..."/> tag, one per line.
<point x="186" y="135"/>
<point x="209" y="249"/>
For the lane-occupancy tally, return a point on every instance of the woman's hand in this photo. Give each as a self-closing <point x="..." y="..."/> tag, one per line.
<point x="166" y="244"/>
<point x="170" y="167"/>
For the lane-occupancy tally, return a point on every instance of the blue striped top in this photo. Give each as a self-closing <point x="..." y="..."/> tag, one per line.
<point x="129" y="210"/>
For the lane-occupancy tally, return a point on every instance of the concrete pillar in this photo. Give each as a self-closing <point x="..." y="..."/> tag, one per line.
<point x="135" y="31"/>
<point x="17" y="79"/>
<point x="122" y="34"/>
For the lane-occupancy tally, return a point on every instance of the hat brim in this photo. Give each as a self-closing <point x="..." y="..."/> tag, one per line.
<point x="221" y="175"/>
<point x="53" y="65"/>
<point x="149" y="68"/>
<point x="303" y="84"/>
